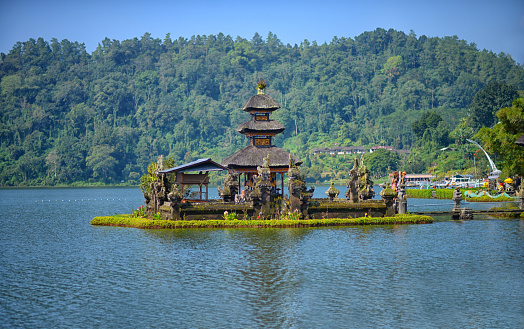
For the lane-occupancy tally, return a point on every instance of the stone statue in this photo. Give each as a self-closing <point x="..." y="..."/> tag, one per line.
<point x="160" y="163"/>
<point x="394" y="181"/>
<point x="291" y="162"/>
<point x="176" y="194"/>
<point x="299" y="195"/>
<point x="266" y="162"/>
<point x="366" y="184"/>
<point x="353" y="184"/>
<point x="175" y="197"/>
<point x="261" y="195"/>
<point x="230" y="189"/>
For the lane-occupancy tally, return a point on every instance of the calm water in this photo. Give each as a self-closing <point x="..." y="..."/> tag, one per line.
<point x="57" y="271"/>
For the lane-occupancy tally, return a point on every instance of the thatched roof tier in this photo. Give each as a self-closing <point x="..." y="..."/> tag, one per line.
<point x="261" y="102"/>
<point x="520" y="141"/>
<point x="252" y="156"/>
<point x="254" y="126"/>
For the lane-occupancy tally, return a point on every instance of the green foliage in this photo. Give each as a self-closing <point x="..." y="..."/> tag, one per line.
<point x="71" y="117"/>
<point x="129" y="220"/>
<point x="500" y="140"/>
<point x="291" y="215"/>
<point x="393" y="66"/>
<point x="381" y="161"/>
<point x="488" y="101"/>
<point x="157" y="216"/>
<point x="462" y="132"/>
<point x="419" y="194"/>
<point x="427" y="121"/>
<point x="150" y="177"/>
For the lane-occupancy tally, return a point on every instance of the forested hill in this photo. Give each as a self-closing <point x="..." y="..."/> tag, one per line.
<point x="69" y="116"/>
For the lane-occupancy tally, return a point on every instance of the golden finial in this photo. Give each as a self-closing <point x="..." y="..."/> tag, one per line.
<point x="261" y="87"/>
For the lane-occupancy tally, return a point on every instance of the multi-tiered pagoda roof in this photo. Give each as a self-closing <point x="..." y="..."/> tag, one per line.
<point x="260" y="131"/>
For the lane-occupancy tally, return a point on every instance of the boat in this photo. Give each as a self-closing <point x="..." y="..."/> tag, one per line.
<point x="464" y="181"/>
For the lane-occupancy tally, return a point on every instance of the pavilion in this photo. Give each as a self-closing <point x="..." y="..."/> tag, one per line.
<point x="184" y="177"/>
<point x="260" y="131"/>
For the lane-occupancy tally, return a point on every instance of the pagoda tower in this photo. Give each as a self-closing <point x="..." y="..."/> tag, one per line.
<point x="260" y="131"/>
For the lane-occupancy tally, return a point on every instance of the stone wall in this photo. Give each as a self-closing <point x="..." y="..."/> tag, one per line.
<point x="322" y="208"/>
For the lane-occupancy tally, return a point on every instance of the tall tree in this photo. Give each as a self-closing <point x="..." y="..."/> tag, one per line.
<point x="488" y="101"/>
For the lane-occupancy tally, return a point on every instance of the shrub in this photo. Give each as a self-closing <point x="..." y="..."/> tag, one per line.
<point x="140" y="212"/>
<point x="291" y="215"/>
<point x="230" y="216"/>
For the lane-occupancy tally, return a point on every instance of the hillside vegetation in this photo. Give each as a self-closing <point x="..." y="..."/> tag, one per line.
<point x="70" y="117"/>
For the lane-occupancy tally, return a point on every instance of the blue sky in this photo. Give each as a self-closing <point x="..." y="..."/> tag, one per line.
<point x="493" y="25"/>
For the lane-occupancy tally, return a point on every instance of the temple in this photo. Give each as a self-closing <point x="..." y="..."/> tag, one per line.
<point x="254" y="185"/>
<point x="260" y="131"/>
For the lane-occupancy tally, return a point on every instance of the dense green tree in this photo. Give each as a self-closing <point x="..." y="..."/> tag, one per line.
<point x="101" y="161"/>
<point x="429" y="120"/>
<point x="382" y="161"/>
<point x="500" y="140"/>
<point x="488" y="101"/>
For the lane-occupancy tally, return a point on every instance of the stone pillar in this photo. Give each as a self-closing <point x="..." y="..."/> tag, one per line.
<point x="402" y="200"/>
<point x="457" y="211"/>
<point x="521" y="195"/>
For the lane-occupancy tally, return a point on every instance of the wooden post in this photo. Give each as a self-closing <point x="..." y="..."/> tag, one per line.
<point x="282" y="180"/>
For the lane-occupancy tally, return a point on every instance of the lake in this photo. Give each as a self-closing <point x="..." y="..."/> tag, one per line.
<point x="58" y="271"/>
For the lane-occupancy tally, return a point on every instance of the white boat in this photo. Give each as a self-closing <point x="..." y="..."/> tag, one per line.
<point x="464" y="181"/>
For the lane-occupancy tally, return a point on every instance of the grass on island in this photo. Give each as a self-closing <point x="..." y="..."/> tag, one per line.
<point x="448" y="194"/>
<point x="131" y="221"/>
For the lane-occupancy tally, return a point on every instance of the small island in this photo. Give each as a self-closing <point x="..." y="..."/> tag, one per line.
<point x="251" y="195"/>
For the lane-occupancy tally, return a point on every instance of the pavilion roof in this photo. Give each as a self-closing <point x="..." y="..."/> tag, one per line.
<point x="520" y="141"/>
<point x="254" y="126"/>
<point x="252" y="156"/>
<point x="198" y="165"/>
<point x="261" y="102"/>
